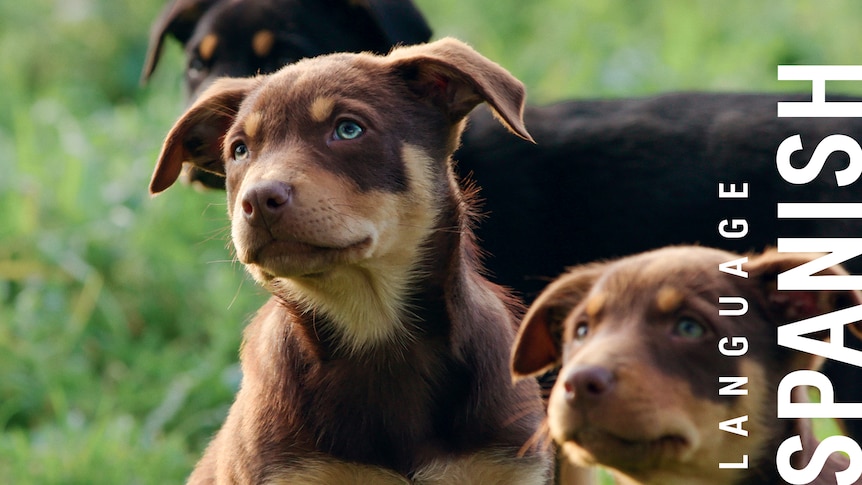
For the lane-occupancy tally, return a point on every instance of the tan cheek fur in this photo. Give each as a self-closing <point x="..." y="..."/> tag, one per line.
<point x="326" y="210"/>
<point x="716" y="446"/>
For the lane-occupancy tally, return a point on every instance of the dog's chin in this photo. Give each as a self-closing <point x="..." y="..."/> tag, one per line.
<point x="626" y="451"/>
<point x="294" y="259"/>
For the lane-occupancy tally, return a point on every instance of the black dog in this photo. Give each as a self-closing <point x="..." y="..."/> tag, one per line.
<point x="240" y="38"/>
<point x="604" y="178"/>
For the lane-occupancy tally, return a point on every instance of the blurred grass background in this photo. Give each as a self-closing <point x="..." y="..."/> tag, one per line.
<point x="120" y="315"/>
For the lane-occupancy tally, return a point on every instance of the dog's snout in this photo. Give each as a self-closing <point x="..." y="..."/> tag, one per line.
<point x="265" y="201"/>
<point x="588" y="383"/>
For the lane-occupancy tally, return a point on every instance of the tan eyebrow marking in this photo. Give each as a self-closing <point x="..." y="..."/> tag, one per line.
<point x="252" y="124"/>
<point x="596" y="303"/>
<point x="207" y="47"/>
<point x="668" y="299"/>
<point x="262" y="42"/>
<point x="321" y="108"/>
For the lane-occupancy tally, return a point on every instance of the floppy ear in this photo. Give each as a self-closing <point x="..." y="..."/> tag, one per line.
<point x="178" y="19"/>
<point x="538" y="346"/>
<point x="788" y="306"/>
<point x="457" y="78"/>
<point x="399" y="21"/>
<point x="197" y="136"/>
<point x="794" y="305"/>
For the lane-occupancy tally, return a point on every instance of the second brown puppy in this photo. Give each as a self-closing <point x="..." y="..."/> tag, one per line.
<point x="382" y="356"/>
<point x="638" y="341"/>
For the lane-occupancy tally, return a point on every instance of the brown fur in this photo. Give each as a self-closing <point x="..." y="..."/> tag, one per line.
<point x="638" y="393"/>
<point x="382" y="355"/>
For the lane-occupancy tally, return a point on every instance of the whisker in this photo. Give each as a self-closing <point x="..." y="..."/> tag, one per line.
<point x="222" y="233"/>
<point x="236" y="294"/>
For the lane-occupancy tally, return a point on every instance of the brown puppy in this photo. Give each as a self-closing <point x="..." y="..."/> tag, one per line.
<point x="382" y="356"/>
<point x="638" y="341"/>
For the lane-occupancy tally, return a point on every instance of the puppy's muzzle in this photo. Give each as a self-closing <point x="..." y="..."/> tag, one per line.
<point x="588" y="385"/>
<point x="264" y="204"/>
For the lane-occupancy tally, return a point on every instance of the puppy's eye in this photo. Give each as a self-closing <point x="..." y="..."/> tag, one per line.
<point x="196" y="64"/>
<point x="689" y="328"/>
<point x="197" y="68"/>
<point x="582" y="329"/>
<point x="240" y="152"/>
<point x="348" y="130"/>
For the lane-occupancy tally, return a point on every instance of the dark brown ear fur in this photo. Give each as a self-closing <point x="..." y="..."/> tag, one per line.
<point x="793" y="306"/>
<point x="457" y="78"/>
<point x="538" y="346"/>
<point x="790" y="306"/>
<point x="197" y="136"/>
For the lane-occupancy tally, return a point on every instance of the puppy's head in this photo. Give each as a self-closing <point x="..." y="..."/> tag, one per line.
<point x="340" y="164"/>
<point x="243" y="38"/>
<point x="638" y="342"/>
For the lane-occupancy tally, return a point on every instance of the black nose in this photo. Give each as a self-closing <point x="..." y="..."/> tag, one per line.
<point x="265" y="201"/>
<point x="588" y="383"/>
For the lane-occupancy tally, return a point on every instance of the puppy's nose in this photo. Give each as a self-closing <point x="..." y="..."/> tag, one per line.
<point x="264" y="202"/>
<point x="588" y="383"/>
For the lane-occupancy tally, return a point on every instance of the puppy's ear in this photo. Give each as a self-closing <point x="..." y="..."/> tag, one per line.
<point x="197" y="136"/>
<point x="538" y="346"/>
<point x="178" y="19"/>
<point x="795" y="305"/>
<point x="455" y="77"/>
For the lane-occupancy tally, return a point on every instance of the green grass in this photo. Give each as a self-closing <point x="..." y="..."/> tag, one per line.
<point x="120" y="315"/>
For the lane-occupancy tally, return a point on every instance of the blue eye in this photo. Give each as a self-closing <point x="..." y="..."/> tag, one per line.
<point x="689" y="328"/>
<point x="348" y="130"/>
<point x="240" y="152"/>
